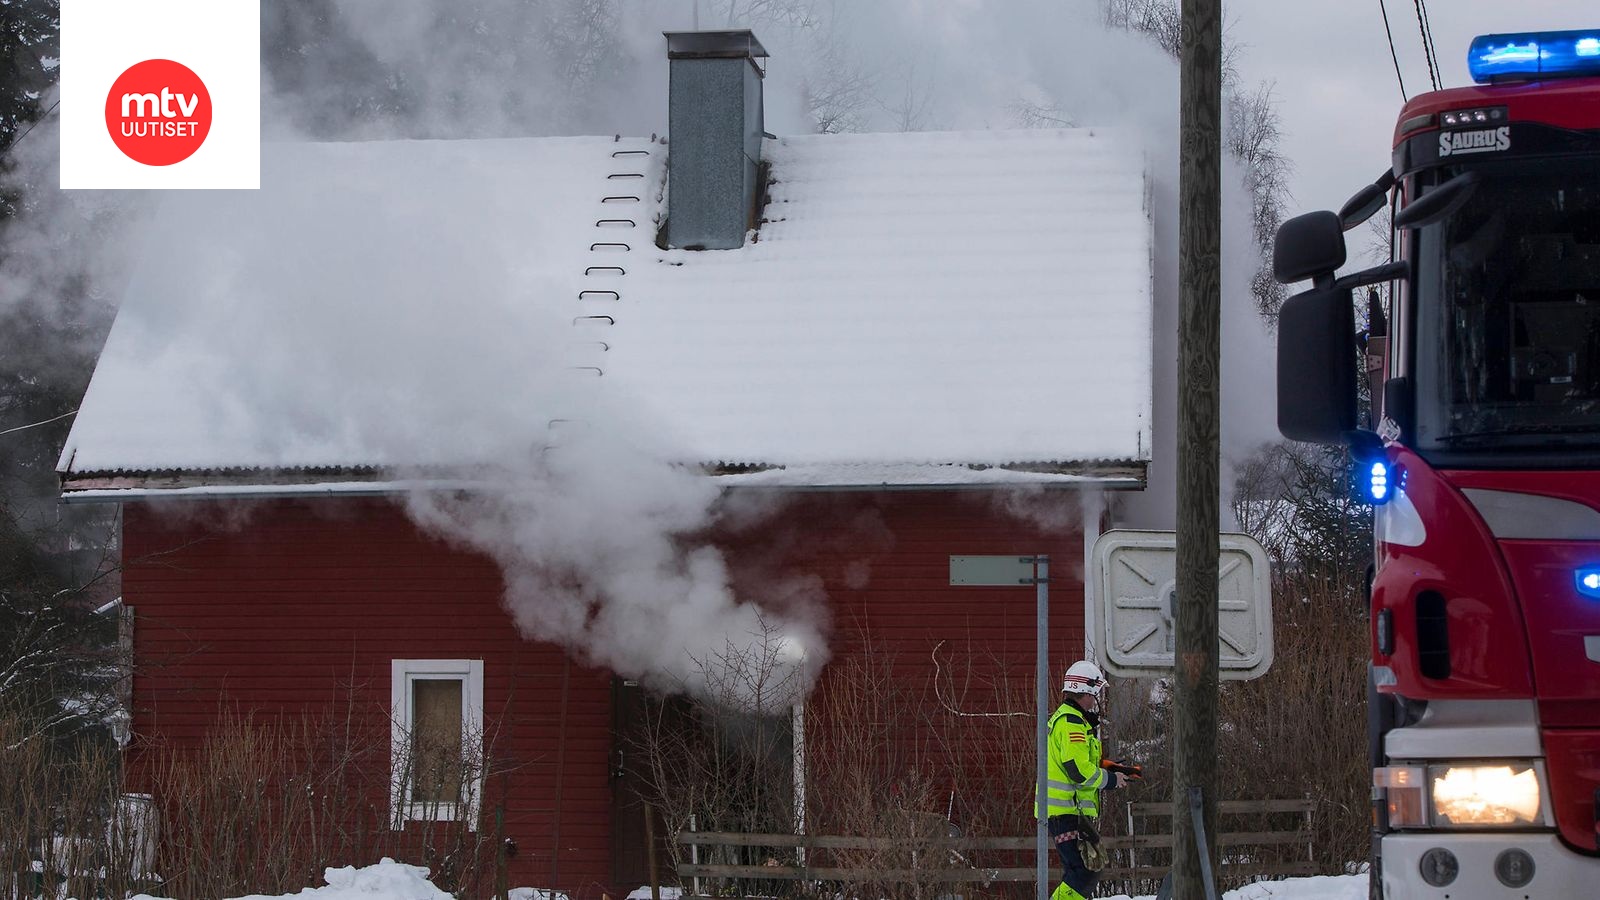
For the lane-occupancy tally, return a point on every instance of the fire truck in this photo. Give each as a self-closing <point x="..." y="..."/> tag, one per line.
<point x="1481" y="458"/>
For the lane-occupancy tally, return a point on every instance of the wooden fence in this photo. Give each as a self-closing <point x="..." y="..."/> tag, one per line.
<point x="1140" y="857"/>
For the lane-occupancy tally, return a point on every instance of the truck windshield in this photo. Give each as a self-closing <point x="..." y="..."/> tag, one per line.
<point x="1508" y="311"/>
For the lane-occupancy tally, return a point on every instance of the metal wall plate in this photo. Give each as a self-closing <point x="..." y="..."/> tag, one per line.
<point x="1133" y="585"/>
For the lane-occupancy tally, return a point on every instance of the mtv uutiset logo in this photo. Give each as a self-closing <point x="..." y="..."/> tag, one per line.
<point x="158" y="112"/>
<point x="160" y="94"/>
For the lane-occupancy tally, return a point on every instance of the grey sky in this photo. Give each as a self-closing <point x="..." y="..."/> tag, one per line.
<point x="1336" y="83"/>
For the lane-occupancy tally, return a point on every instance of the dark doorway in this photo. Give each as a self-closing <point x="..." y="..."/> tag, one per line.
<point x="631" y="787"/>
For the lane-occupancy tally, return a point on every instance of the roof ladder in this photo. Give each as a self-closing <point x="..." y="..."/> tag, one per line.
<point x="601" y="293"/>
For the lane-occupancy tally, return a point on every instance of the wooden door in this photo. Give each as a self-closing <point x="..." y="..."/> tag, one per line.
<point x="630" y="786"/>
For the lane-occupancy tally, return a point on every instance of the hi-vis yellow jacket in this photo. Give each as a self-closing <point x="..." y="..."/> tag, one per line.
<point x="1074" y="776"/>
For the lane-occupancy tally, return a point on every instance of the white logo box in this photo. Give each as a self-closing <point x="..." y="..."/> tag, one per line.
<point x="219" y="39"/>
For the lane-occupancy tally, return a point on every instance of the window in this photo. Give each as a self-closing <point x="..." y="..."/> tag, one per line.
<point x="436" y="768"/>
<point x="1508" y="346"/>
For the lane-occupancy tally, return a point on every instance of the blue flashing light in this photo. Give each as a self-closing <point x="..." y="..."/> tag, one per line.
<point x="1589" y="581"/>
<point x="1378" y="483"/>
<point x="1540" y="54"/>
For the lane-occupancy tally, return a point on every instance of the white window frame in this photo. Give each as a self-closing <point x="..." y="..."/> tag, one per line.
<point x="403" y="673"/>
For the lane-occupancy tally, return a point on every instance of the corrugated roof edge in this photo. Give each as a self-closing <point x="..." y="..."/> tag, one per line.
<point x="352" y="480"/>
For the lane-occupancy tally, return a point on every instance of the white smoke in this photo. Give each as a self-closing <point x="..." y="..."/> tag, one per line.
<point x="599" y="543"/>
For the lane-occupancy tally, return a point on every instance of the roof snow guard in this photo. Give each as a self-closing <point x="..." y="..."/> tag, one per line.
<point x="922" y="309"/>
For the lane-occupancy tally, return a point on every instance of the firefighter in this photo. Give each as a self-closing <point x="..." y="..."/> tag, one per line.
<point x="1076" y="779"/>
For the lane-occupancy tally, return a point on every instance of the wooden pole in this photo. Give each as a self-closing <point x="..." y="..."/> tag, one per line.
<point x="1199" y="414"/>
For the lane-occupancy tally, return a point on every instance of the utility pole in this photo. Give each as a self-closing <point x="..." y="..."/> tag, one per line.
<point x="1199" y="422"/>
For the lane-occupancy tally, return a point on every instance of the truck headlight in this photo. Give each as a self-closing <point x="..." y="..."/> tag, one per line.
<point x="1502" y="793"/>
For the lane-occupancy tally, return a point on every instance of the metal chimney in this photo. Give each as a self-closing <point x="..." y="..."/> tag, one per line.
<point x="714" y="128"/>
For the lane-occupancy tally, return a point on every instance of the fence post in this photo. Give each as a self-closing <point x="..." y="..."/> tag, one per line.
<point x="1133" y="844"/>
<point x="1311" y="835"/>
<point x="694" y="855"/>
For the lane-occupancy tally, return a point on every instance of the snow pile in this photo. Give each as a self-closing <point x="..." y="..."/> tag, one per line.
<point x="1316" y="887"/>
<point x="528" y="893"/>
<point x="387" y="880"/>
<point x="667" y="893"/>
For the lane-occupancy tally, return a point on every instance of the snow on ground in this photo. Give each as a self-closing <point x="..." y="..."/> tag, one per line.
<point x="390" y="880"/>
<point x="387" y="880"/>
<point x="528" y="893"/>
<point x="1316" y="887"/>
<point x="667" y="893"/>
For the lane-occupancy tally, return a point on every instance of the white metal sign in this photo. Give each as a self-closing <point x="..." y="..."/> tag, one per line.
<point x="991" y="571"/>
<point x="1133" y="587"/>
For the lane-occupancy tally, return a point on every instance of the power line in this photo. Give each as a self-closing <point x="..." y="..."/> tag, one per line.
<point x="1392" y="55"/>
<point x="1433" y="49"/>
<point x="1427" y="55"/>
<point x="35" y="124"/>
<point x="37" y="424"/>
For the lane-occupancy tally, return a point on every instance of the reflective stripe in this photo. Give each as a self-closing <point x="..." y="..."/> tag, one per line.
<point x="1055" y="810"/>
<point x="1094" y="783"/>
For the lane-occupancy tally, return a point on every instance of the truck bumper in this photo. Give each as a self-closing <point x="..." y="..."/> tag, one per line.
<point x="1557" y="871"/>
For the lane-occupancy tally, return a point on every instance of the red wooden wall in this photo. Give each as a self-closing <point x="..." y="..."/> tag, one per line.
<point x="289" y="605"/>
<point x="941" y="736"/>
<point x="301" y="605"/>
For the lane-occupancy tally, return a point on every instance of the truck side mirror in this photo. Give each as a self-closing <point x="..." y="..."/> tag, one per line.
<point x="1366" y="202"/>
<point x="1439" y="202"/>
<point x="1317" y="365"/>
<point x="1308" y="246"/>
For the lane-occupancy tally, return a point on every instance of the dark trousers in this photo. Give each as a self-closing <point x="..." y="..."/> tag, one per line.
<point x="1074" y="874"/>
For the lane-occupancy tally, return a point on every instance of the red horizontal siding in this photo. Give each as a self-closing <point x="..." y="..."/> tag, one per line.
<point x="884" y="559"/>
<point x="298" y="605"/>
<point x="302" y="607"/>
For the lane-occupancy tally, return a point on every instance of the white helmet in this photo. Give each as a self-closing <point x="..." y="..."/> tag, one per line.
<point x="1083" y="677"/>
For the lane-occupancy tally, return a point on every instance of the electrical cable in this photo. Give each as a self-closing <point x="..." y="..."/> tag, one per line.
<point x="37" y="424"/>
<point x="1427" y="56"/>
<point x="31" y="126"/>
<point x="1433" y="49"/>
<point x="1392" y="55"/>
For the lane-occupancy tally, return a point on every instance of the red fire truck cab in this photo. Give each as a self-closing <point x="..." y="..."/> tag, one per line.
<point x="1482" y="461"/>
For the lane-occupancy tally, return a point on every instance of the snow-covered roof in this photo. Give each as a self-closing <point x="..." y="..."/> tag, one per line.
<point x="912" y="300"/>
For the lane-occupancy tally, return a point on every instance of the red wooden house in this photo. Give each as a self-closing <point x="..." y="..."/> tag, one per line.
<point x="893" y="348"/>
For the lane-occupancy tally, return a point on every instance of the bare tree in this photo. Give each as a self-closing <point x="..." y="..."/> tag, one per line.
<point x="1037" y="114"/>
<point x="909" y="111"/>
<point x="836" y="90"/>
<point x="723" y="761"/>
<point x="1156" y="19"/>
<point x="1253" y="136"/>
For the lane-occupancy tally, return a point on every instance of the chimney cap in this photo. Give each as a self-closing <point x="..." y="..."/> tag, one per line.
<point x="736" y="44"/>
